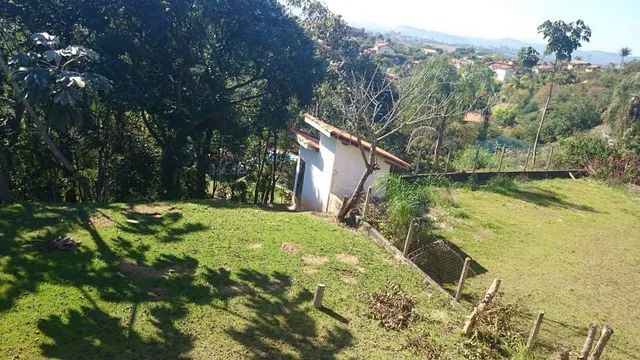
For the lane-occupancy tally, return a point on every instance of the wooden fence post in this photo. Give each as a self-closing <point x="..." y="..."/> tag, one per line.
<point x="501" y="158"/>
<point x="482" y="305"/>
<point x="549" y="159"/>
<point x="602" y="342"/>
<point x="318" y="296"/>
<point x="475" y="161"/>
<point x="417" y="164"/>
<point x="446" y="164"/>
<point x="463" y="278"/>
<point x="588" y="343"/>
<point x="526" y="162"/>
<point x="366" y="203"/>
<point x="534" y="330"/>
<point x="407" y="241"/>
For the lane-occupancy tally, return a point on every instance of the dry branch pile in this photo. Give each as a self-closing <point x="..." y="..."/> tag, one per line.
<point x="64" y="243"/>
<point x="394" y="309"/>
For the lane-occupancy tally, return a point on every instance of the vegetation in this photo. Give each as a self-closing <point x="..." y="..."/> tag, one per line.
<point x="577" y="236"/>
<point x="184" y="281"/>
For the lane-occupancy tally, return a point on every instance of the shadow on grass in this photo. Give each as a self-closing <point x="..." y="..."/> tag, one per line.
<point x="118" y="272"/>
<point x="442" y="260"/>
<point x="534" y="195"/>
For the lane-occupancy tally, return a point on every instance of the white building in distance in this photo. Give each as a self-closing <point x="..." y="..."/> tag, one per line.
<point x="330" y="166"/>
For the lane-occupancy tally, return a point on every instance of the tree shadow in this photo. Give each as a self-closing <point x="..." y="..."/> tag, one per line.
<point x="535" y="195"/>
<point x="442" y="260"/>
<point x="282" y="326"/>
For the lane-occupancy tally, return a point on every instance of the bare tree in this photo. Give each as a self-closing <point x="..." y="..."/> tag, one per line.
<point x="375" y="109"/>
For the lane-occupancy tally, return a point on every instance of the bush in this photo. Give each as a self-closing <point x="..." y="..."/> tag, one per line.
<point x="579" y="151"/>
<point x="404" y="201"/>
<point x="466" y="159"/>
<point x="617" y="169"/>
<point x="505" y="115"/>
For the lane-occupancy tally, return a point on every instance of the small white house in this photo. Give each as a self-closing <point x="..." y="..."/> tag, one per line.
<point x="330" y="166"/>
<point x="503" y="71"/>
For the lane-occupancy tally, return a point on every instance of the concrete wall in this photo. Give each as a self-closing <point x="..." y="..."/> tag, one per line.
<point x="318" y="173"/>
<point x="348" y="169"/>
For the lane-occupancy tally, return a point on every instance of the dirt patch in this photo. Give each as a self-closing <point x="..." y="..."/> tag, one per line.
<point x="151" y="209"/>
<point x="349" y="280"/>
<point x="309" y="270"/>
<point x="256" y="246"/>
<point x="237" y="290"/>
<point x="348" y="259"/>
<point x="99" y="220"/>
<point x="131" y="269"/>
<point x="290" y="248"/>
<point x="315" y="260"/>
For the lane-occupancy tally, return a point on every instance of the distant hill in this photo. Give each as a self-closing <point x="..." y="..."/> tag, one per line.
<point x="505" y="46"/>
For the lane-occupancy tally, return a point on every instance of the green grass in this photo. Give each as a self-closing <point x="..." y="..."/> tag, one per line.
<point x="205" y="280"/>
<point x="568" y="248"/>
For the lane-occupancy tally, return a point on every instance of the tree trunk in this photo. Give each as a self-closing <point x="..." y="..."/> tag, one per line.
<point x="370" y="167"/>
<point x="41" y="129"/>
<point x="262" y="153"/>
<point x="169" y="172"/>
<point x="6" y="196"/>
<point x="203" y="165"/>
<point x="274" y="168"/>
<point x="103" y="155"/>
<point x="544" y="111"/>
<point x="439" y="140"/>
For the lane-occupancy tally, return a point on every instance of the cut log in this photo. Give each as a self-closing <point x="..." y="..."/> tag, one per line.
<point x="469" y="326"/>
<point x="588" y="343"/>
<point x="605" y="335"/>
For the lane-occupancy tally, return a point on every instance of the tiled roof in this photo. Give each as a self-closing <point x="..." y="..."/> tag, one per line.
<point x="473" y="117"/>
<point x="305" y="139"/>
<point x="333" y="131"/>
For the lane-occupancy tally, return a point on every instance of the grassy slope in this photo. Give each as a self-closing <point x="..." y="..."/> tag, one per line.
<point x="202" y="281"/>
<point x="568" y="248"/>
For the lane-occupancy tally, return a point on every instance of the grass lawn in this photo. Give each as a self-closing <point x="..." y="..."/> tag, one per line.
<point x="204" y="280"/>
<point x="571" y="249"/>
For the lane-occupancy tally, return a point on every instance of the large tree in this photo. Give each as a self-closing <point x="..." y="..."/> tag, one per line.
<point x="562" y="40"/>
<point x="528" y="57"/>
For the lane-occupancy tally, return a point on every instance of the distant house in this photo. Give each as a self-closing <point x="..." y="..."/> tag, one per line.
<point x="430" y="52"/>
<point x="381" y="47"/>
<point x="503" y="70"/>
<point x="459" y="63"/>
<point x="578" y="65"/>
<point x="473" y="117"/>
<point x="592" y="68"/>
<point x="330" y="166"/>
<point x="543" y="68"/>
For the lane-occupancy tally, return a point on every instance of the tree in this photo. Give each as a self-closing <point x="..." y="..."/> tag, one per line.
<point x="528" y="57"/>
<point x="374" y="109"/>
<point x="57" y="80"/>
<point x="624" y="52"/>
<point x="562" y="40"/>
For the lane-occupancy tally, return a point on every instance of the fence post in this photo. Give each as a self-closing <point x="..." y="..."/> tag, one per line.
<point x="602" y="342"/>
<point x="475" y="161"/>
<point x="526" y="162"/>
<point x="549" y="159"/>
<point x="588" y="343"/>
<point x="407" y="241"/>
<point x="482" y="305"/>
<point x="366" y="204"/>
<point x="463" y="278"/>
<point x="501" y="158"/>
<point x="534" y="330"/>
<point x="417" y="165"/>
<point x="446" y="164"/>
<point x="318" y="296"/>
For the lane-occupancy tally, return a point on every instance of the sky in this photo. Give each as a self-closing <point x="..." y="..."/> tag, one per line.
<point x="614" y="23"/>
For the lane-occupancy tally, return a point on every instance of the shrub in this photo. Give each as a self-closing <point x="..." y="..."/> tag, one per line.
<point x="466" y="159"/>
<point x="404" y="201"/>
<point x="618" y="169"/>
<point x="505" y="115"/>
<point x="579" y="151"/>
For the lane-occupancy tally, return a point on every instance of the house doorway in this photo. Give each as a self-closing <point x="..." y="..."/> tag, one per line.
<point x="300" y="183"/>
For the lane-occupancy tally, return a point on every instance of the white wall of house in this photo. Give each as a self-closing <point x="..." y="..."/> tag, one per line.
<point x="503" y="74"/>
<point x="332" y="173"/>
<point x="318" y="174"/>
<point x="349" y="167"/>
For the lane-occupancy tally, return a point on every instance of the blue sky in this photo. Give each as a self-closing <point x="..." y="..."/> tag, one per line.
<point x="614" y="23"/>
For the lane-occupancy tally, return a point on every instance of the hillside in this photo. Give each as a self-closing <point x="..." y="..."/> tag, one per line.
<point x="200" y="280"/>
<point x="565" y="247"/>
